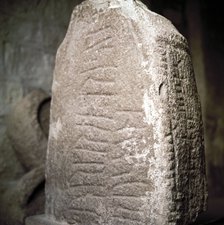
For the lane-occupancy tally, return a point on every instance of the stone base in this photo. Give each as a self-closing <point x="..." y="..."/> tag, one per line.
<point x="42" y="220"/>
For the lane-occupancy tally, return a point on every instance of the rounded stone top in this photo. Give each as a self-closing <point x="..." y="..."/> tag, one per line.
<point x="136" y="11"/>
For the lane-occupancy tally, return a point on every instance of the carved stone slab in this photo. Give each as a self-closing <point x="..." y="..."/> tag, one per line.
<point x="125" y="145"/>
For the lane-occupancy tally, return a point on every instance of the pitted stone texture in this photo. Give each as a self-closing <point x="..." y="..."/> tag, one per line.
<point x="125" y="144"/>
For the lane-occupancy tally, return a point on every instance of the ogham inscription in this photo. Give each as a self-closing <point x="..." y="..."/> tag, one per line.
<point x="125" y="144"/>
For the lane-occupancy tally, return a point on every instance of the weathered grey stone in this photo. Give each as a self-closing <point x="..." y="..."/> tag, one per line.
<point x="22" y="197"/>
<point x="25" y="131"/>
<point x="125" y="144"/>
<point x="10" y="93"/>
<point x="22" y="192"/>
<point x="10" y="167"/>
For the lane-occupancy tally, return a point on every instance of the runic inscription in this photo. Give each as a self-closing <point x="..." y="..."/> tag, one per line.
<point x="125" y="144"/>
<point x="111" y="143"/>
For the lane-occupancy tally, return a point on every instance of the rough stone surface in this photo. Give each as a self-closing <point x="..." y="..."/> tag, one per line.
<point x="10" y="167"/>
<point x="125" y="144"/>
<point x="22" y="189"/>
<point x="21" y="198"/>
<point x="25" y="131"/>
